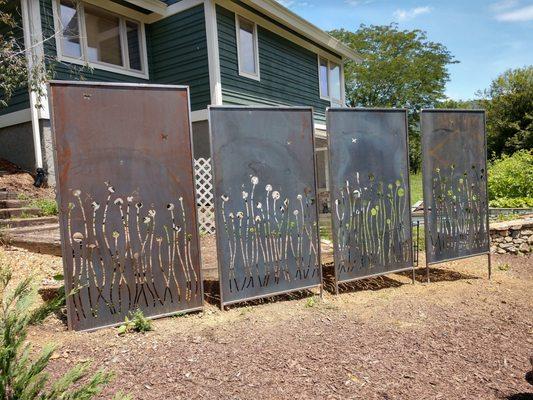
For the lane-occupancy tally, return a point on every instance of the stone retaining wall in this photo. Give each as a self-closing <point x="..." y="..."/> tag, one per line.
<point x="514" y="237"/>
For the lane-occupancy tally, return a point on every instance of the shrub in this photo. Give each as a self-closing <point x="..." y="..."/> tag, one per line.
<point x="21" y="377"/>
<point x="512" y="176"/>
<point x="510" y="202"/>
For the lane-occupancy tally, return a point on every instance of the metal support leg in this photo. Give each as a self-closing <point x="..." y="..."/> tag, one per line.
<point x="427" y="272"/>
<point x="490" y="266"/>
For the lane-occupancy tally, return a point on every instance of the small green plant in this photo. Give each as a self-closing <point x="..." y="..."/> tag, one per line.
<point x="504" y="267"/>
<point x="24" y="378"/>
<point x="136" y="322"/>
<point x="47" y="207"/>
<point x="311" y="302"/>
<point x="507" y="217"/>
<point x="23" y="196"/>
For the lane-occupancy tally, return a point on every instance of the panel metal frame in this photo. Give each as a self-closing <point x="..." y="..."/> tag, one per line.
<point x="217" y="201"/>
<point x="412" y="268"/>
<point x="487" y="212"/>
<point x="67" y="277"/>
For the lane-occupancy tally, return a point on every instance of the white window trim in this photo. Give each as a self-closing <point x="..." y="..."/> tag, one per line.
<point x="342" y="101"/>
<point x="144" y="74"/>
<point x="320" y="58"/>
<point x="256" y="76"/>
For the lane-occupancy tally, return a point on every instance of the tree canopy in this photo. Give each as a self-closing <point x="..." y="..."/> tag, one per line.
<point x="400" y="68"/>
<point x="509" y="105"/>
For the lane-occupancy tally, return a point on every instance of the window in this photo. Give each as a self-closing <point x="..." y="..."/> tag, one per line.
<point x="70" y="38"/>
<point x="330" y="80"/>
<point x="247" y="48"/>
<point x="101" y="39"/>
<point x="324" y="78"/>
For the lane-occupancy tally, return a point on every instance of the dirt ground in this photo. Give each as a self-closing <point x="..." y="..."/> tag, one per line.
<point x="460" y="337"/>
<point x="13" y="179"/>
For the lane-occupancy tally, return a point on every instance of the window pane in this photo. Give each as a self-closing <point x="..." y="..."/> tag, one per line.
<point x="247" y="47"/>
<point x="70" y="33"/>
<point x="335" y="82"/>
<point x="134" y="47"/>
<point x="103" y="36"/>
<point x="324" y="89"/>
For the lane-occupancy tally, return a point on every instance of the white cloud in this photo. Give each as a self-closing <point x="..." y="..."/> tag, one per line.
<point x="404" y="15"/>
<point x="358" y="2"/>
<point x="286" y="3"/>
<point x="517" y="15"/>
<point x="503" y="5"/>
<point x="293" y="3"/>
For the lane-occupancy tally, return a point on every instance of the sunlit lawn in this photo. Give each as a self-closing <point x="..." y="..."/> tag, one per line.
<point x="416" y="187"/>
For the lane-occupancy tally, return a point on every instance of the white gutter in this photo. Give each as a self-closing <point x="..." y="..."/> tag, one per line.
<point x="27" y="6"/>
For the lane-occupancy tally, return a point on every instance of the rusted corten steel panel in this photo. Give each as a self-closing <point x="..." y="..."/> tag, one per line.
<point x="455" y="184"/>
<point x="369" y="186"/>
<point x="265" y="201"/>
<point x="126" y="195"/>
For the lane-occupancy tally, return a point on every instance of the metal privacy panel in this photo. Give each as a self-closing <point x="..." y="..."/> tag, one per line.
<point x="369" y="184"/>
<point x="455" y="186"/>
<point x="265" y="201"/>
<point x="126" y="194"/>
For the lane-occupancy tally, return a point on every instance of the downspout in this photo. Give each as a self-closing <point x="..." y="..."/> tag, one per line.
<point x="30" y="54"/>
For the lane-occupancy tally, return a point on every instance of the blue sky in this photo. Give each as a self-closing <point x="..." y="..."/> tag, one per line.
<point x="486" y="36"/>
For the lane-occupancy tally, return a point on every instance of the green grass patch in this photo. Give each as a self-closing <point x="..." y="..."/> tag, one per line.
<point x="421" y="237"/>
<point x="48" y="207"/>
<point x="325" y="231"/>
<point x="416" y="187"/>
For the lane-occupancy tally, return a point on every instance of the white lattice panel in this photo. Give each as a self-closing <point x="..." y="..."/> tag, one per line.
<point x="204" y="195"/>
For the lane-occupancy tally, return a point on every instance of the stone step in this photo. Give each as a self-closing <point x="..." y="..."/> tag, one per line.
<point x="31" y="229"/>
<point x="26" y="222"/>
<point x="11" y="203"/>
<point x="37" y="243"/>
<point x="18" y="212"/>
<point x="5" y="195"/>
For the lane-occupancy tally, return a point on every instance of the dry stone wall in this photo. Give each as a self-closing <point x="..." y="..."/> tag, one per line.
<point x="514" y="237"/>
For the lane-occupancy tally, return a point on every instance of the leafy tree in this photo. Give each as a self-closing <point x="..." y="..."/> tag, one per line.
<point x="14" y="71"/>
<point x="20" y="67"/>
<point x="24" y="378"/>
<point x="400" y="68"/>
<point x="452" y="104"/>
<point x="509" y="105"/>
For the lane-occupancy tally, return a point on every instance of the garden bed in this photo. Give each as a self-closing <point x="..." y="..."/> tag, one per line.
<point x="462" y="336"/>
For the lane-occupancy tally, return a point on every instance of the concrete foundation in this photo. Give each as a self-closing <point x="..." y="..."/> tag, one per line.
<point x="16" y="146"/>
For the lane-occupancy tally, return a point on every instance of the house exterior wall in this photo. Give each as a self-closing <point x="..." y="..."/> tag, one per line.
<point x="178" y="54"/>
<point x="176" y="50"/>
<point x="16" y="145"/>
<point x="289" y="72"/>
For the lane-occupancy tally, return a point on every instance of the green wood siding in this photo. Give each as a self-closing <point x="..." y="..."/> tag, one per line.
<point x="20" y="98"/>
<point x="179" y="54"/>
<point x="289" y="72"/>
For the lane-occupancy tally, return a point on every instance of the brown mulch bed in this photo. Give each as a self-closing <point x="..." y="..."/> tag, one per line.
<point x="461" y="337"/>
<point x="21" y="182"/>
